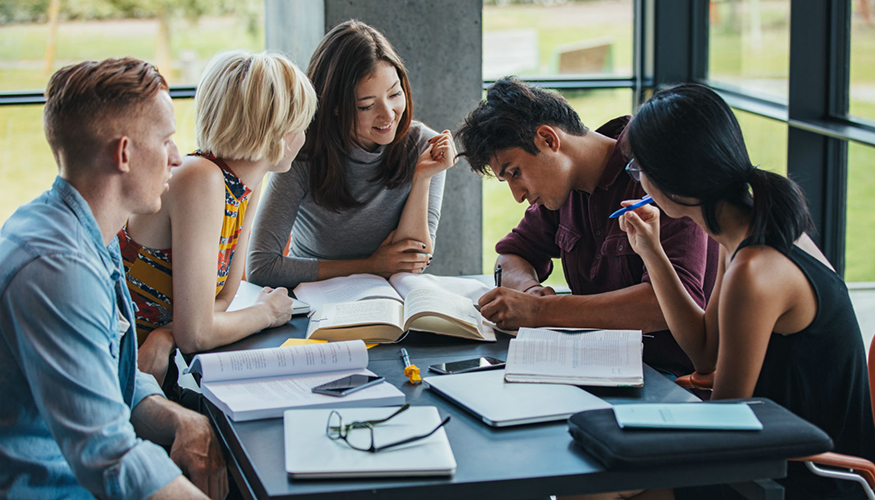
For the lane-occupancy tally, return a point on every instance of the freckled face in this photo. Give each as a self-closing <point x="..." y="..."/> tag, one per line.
<point x="153" y="154"/>
<point x="380" y="103"/>
<point x="537" y="179"/>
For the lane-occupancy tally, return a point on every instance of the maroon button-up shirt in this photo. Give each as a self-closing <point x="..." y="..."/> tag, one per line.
<point x="596" y="254"/>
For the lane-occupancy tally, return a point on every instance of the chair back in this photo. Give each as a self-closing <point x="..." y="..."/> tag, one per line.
<point x="872" y="374"/>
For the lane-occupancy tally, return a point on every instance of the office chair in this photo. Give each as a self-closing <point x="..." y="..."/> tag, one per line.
<point x="858" y="469"/>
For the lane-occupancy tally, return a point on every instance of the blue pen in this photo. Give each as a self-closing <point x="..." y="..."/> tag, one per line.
<point x="644" y="201"/>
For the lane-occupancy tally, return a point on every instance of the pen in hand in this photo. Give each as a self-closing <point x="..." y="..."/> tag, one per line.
<point x="644" y="201"/>
<point x="498" y="275"/>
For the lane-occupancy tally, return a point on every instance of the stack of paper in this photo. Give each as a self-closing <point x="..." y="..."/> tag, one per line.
<point x="596" y="357"/>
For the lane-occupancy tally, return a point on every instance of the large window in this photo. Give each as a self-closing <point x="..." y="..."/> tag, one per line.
<point x="570" y="42"/>
<point x="557" y="38"/>
<point x="862" y="91"/>
<point x="36" y="40"/>
<point x="860" y="242"/>
<point x="749" y="45"/>
<point x="766" y="141"/>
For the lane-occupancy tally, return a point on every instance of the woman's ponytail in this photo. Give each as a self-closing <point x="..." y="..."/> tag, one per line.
<point x="780" y="213"/>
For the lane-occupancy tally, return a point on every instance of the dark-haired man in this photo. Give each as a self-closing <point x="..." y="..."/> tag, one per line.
<point x="74" y="405"/>
<point x="573" y="180"/>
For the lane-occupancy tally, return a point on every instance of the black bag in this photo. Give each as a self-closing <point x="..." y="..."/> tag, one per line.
<point x="784" y="435"/>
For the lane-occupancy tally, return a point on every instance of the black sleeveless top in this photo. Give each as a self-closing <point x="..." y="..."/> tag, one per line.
<point x="820" y="374"/>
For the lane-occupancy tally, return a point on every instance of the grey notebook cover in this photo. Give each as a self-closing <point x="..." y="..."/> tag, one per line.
<point x="500" y="404"/>
<point x="310" y="454"/>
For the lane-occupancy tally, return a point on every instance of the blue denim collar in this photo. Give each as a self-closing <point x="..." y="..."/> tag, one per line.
<point x="80" y="208"/>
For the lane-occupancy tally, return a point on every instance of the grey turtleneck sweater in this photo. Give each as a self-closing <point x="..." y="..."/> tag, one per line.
<point x="318" y="233"/>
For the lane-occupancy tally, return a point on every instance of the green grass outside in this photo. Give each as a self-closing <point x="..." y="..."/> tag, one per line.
<point x="79" y="41"/>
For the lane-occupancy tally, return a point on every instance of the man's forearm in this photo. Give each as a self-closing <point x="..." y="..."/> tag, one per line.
<point x="516" y="272"/>
<point x="157" y="419"/>
<point x="634" y="307"/>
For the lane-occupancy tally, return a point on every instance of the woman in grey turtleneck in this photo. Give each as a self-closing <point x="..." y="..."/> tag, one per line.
<point x="364" y="195"/>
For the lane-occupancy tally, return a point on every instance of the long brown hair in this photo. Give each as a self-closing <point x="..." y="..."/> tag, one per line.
<point x="346" y="56"/>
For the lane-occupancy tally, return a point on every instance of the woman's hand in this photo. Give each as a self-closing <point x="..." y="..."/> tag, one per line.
<point x="642" y="228"/>
<point x="277" y="304"/>
<point x="440" y="155"/>
<point x="402" y="256"/>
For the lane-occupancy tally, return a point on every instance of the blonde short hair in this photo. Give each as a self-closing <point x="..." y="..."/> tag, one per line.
<point x="246" y="103"/>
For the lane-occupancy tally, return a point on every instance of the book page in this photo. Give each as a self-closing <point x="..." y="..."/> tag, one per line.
<point x="357" y="313"/>
<point x="430" y="300"/>
<point x="471" y="288"/>
<point x="267" y="398"/>
<point x="596" y="354"/>
<point x="345" y="289"/>
<point x="279" y="361"/>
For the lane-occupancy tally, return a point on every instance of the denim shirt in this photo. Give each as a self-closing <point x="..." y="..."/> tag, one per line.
<point x="68" y="375"/>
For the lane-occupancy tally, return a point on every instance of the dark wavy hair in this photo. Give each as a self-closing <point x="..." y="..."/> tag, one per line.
<point x="346" y="56"/>
<point x="509" y="117"/>
<point x="687" y="142"/>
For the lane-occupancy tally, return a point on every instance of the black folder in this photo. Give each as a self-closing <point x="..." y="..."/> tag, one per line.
<point x="784" y="435"/>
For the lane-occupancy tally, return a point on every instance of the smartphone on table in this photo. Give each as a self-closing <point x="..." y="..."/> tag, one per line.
<point x="468" y="365"/>
<point x="347" y="385"/>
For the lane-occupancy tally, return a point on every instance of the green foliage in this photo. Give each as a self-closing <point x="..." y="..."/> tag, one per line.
<point x="23" y="11"/>
<point x="34" y="11"/>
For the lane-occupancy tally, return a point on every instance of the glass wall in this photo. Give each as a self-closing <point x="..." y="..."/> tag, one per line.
<point x="766" y="141"/>
<point x="501" y="212"/>
<point x="862" y="91"/>
<point x="749" y="46"/>
<point x="860" y="236"/>
<point x="27" y="162"/>
<point x="36" y="40"/>
<point x="178" y="37"/>
<point x="556" y="38"/>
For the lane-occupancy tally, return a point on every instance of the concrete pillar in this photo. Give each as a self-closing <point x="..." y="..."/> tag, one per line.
<point x="294" y="27"/>
<point x="441" y="45"/>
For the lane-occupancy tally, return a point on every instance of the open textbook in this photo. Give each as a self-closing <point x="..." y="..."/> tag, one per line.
<point x="368" y="307"/>
<point x="262" y="383"/>
<point x="579" y="357"/>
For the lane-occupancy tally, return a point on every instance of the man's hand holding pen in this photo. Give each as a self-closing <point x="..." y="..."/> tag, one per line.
<point x="510" y="309"/>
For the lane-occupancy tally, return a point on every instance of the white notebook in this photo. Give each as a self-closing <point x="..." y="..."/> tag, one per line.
<point x="310" y="454"/>
<point x="500" y="404"/>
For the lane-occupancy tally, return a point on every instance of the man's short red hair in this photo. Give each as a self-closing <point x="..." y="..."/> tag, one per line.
<point x="87" y="102"/>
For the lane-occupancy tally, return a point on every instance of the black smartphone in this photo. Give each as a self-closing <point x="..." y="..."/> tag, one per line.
<point x="468" y="365"/>
<point x="347" y="385"/>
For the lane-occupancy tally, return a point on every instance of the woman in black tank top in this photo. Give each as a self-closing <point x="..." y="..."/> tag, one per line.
<point x="786" y="329"/>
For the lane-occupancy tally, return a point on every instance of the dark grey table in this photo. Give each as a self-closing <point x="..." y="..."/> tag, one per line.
<point x="523" y="462"/>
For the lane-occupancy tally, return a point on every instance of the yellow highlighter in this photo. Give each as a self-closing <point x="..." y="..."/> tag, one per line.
<point x="410" y="371"/>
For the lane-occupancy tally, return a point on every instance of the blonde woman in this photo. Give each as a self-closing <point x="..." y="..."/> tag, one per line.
<point x="184" y="264"/>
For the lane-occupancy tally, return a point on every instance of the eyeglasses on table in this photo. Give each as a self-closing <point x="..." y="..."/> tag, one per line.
<point x="335" y="429"/>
